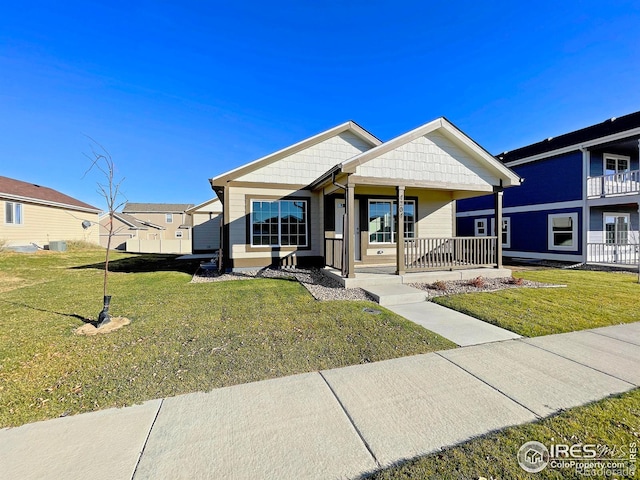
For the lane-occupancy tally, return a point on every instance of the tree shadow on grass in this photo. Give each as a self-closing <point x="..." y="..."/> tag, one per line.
<point x="72" y="315"/>
<point x="148" y="262"/>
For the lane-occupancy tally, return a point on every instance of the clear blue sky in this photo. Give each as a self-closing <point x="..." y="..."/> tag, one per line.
<point x="179" y="92"/>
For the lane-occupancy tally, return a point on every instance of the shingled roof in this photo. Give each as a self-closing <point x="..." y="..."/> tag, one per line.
<point x="156" y="207"/>
<point x="24" y="191"/>
<point x="608" y="127"/>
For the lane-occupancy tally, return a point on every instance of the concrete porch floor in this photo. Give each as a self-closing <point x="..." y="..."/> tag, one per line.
<point x="384" y="275"/>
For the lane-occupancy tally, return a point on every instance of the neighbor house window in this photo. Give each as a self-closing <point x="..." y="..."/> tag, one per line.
<point x="616" y="228"/>
<point x="13" y="213"/>
<point x="480" y="227"/>
<point x="506" y="230"/>
<point x="383" y="218"/>
<point x="279" y="223"/>
<point x="615" y="164"/>
<point x="169" y="218"/>
<point x="178" y="233"/>
<point x="563" y="231"/>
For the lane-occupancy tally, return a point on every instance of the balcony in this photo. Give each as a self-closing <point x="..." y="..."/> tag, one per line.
<point x="623" y="183"/>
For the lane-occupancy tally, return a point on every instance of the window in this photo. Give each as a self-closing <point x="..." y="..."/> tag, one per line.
<point x="615" y="164"/>
<point x="480" y="227"/>
<point x="279" y="223"/>
<point x="563" y="231"/>
<point x="178" y="233"/>
<point x="169" y="218"/>
<point x="13" y="213"/>
<point x="383" y="219"/>
<point x="616" y="228"/>
<point x="506" y="230"/>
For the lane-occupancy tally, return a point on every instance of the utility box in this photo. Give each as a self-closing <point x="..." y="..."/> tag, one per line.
<point x="58" y="246"/>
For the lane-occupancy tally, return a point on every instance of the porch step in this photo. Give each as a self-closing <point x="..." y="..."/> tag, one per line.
<point x="395" y="294"/>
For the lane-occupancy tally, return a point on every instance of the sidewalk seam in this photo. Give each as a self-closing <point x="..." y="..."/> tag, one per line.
<point x="583" y="364"/>
<point x="146" y="440"/>
<point x="614" y="338"/>
<point x="353" y="424"/>
<point x="539" y="417"/>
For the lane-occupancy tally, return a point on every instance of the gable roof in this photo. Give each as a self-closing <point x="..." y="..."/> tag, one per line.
<point x="350" y="126"/>
<point x="156" y="207"/>
<point x="31" y="192"/>
<point x="454" y="133"/>
<point x="216" y="206"/>
<point x="628" y="123"/>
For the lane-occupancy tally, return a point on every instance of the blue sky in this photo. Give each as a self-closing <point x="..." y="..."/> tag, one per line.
<point x="179" y="92"/>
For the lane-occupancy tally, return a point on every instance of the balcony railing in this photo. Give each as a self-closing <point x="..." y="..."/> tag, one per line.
<point x="623" y="183"/>
<point x="423" y="254"/>
<point x="613" y="253"/>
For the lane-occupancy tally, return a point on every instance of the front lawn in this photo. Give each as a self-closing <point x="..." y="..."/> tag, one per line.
<point x="590" y="300"/>
<point x="182" y="338"/>
<point x="612" y="425"/>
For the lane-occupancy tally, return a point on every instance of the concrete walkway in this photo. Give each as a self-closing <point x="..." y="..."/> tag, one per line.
<point x="338" y="423"/>
<point x="461" y="329"/>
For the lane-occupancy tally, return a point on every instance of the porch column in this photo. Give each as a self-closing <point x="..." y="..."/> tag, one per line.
<point x="400" y="234"/>
<point x="497" y="197"/>
<point x="350" y="239"/>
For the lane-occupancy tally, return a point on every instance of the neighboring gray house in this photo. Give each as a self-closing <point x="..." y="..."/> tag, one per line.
<point x="206" y="220"/>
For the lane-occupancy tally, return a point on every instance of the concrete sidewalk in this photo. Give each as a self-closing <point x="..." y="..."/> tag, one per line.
<point x="338" y="423"/>
<point x="461" y="329"/>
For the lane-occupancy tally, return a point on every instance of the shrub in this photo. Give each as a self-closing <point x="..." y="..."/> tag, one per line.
<point x="515" y="280"/>
<point x="439" y="285"/>
<point x="3" y="244"/>
<point x="477" y="282"/>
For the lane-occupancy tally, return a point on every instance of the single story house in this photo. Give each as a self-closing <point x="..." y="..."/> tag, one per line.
<point x="345" y="199"/>
<point x="580" y="200"/>
<point x="34" y="214"/>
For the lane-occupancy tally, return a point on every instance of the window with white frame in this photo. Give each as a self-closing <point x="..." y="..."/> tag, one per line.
<point x="615" y="163"/>
<point x="168" y="218"/>
<point x="616" y="228"/>
<point x="178" y="233"/>
<point x="480" y="227"/>
<point x="13" y="213"/>
<point x="279" y="223"/>
<point x="383" y="220"/>
<point x="506" y="230"/>
<point x="563" y="231"/>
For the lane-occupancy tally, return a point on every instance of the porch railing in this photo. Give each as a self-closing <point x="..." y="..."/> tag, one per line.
<point x="613" y="253"/>
<point x="615" y="184"/>
<point x="422" y="254"/>
<point x="333" y="252"/>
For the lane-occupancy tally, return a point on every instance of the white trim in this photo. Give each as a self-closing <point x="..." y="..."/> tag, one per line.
<point x="476" y="227"/>
<point x="571" y="148"/>
<point x="615" y="157"/>
<point x="586" y="213"/>
<point x="574" y="231"/>
<point x="15" y="206"/>
<point x="524" y="208"/>
<point x="178" y="232"/>
<point x="393" y="202"/>
<point x="543" y="256"/>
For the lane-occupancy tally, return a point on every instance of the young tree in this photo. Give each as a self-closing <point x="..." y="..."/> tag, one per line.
<point x="109" y="189"/>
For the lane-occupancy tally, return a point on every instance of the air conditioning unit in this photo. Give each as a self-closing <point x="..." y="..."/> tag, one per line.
<point x="58" y="246"/>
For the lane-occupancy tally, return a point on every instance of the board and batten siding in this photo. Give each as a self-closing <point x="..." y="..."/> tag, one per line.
<point x="304" y="167"/>
<point x="239" y="217"/>
<point x="42" y="224"/>
<point x="431" y="158"/>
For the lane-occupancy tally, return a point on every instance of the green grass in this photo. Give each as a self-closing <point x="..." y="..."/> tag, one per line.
<point x="590" y="300"/>
<point x="614" y="422"/>
<point x="182" y="338"/>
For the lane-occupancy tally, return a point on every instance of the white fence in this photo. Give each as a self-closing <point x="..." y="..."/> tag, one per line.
<point x="158" y="246"/>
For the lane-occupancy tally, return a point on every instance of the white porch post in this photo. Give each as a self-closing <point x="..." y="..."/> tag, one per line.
<point x="497" y="198"/>
<point x="349" y="238"/>
<point x="586" y="165"/>
<point x="400" y="234"/>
